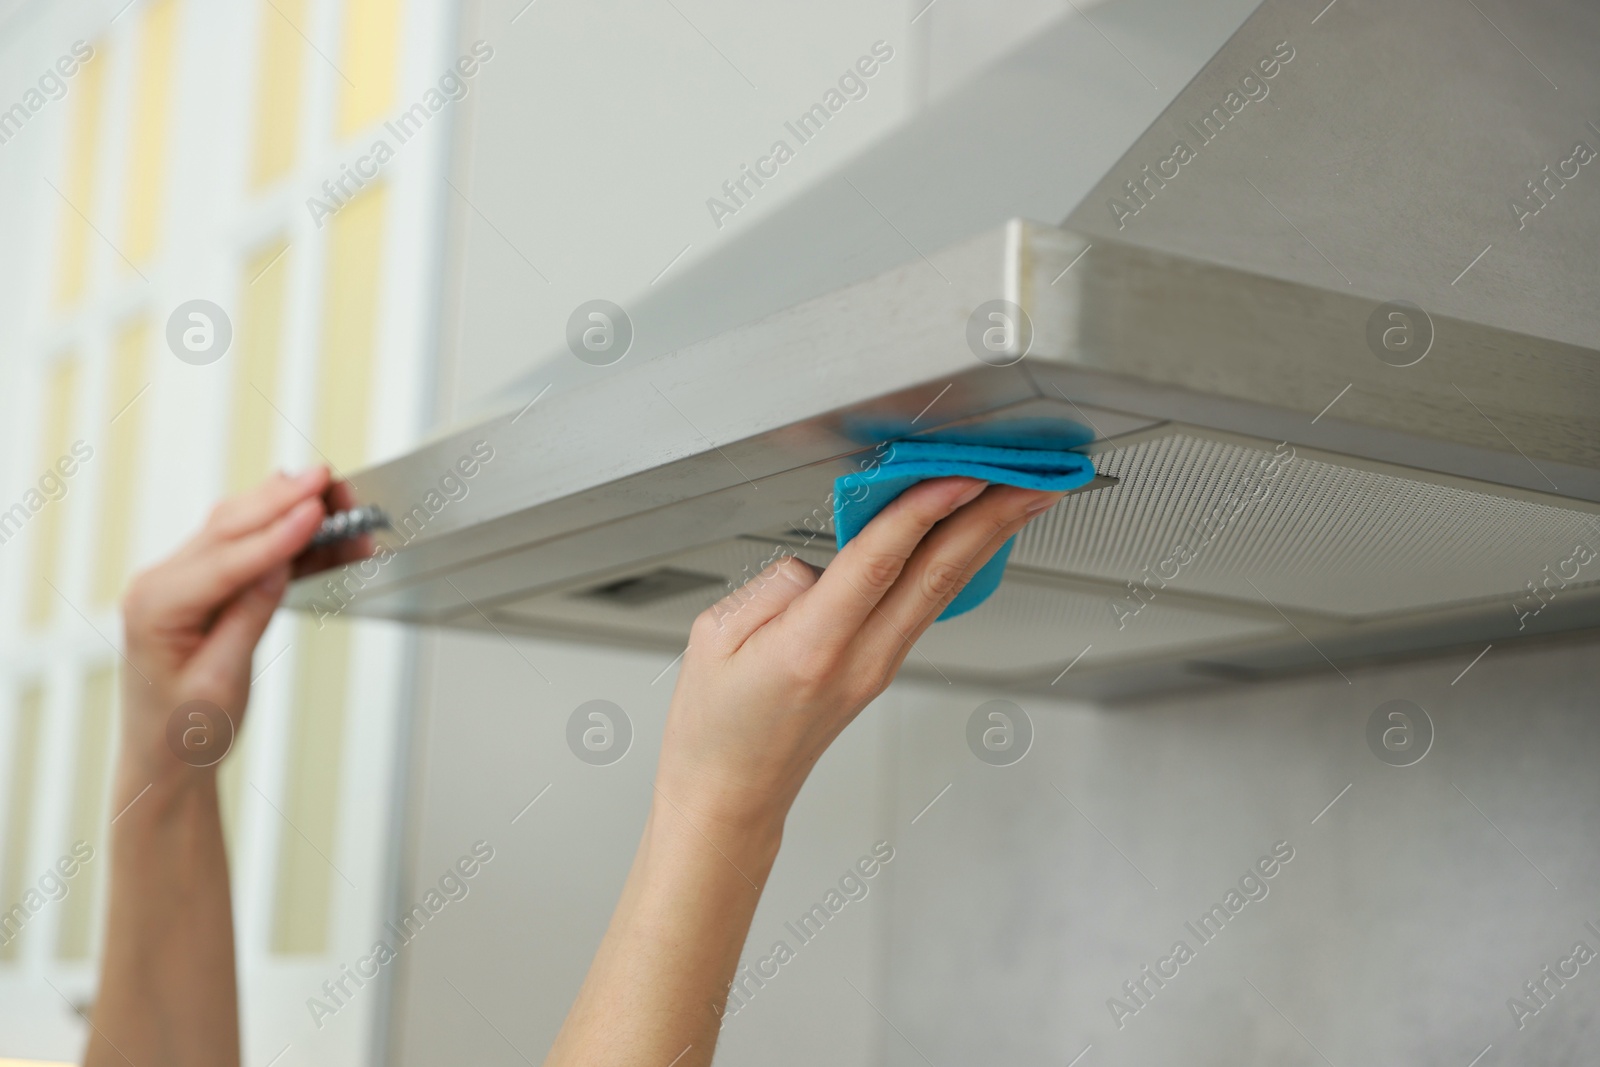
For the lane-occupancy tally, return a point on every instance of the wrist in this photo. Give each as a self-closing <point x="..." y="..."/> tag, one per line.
<point x="738" y="808"/>
<point x="157" y="789"/>
<point x="171" y="745"/>
<point x="744" y="834"/>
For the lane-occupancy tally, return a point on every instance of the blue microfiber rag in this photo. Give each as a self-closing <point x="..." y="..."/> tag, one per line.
<point x="860" y="495"/>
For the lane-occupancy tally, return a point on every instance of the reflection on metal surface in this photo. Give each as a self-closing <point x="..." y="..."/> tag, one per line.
<point x="1242" y="305"/>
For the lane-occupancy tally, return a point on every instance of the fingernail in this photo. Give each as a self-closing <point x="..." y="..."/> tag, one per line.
<point x="309" y="476"/>
<point x="1040" y="505"/>
<point x="969" y="496"/>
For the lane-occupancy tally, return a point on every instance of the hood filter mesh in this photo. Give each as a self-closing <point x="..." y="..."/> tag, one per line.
<point x="1211" y="517"/>
<point x="1221" y="535"/>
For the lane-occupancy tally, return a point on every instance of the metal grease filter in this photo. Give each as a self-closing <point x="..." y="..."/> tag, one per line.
<point x="1321" y="538"/>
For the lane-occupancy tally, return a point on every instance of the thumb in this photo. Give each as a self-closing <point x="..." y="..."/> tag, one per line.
<point x="232" y="641"/>
<point x="728" y="623"/>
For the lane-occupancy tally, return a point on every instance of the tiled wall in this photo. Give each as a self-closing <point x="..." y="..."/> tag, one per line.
<point x="175" y="165"/>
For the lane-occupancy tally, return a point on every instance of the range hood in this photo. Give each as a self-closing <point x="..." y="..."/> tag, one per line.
<point x="1344" y="390"/>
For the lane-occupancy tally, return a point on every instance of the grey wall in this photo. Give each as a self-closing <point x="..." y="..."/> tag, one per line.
<point x="1019" y="901"/>
<point x="492" y="737"/>
<point x="598" y="133"/>
<point x="1396" y="934"/>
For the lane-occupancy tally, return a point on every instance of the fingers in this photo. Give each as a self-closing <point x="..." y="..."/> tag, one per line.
<point x="834" y="609"/>
<point x="339" y="496"/>
<point x="193" y="585"/>
<point x="727" y="624"/>
<point x="251" y="510"/>
<point x="905" y="641"/>
<point x="248" y="559"/>
<point x="233" y="636"/>
<point x="948" y="558"/>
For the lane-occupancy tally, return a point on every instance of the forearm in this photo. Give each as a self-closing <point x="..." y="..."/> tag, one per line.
<point x="770" y="677"/>
<point x="656" y="990"/>
<point x="167" y="986"/>
<point x="167" y="995"/>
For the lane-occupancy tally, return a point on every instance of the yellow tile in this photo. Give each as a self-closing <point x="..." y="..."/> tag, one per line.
<point x="119" y="481"/>
<point x="306" y="850"/>
<point x="230" y="789"/>
<point x="17" y="876"/>
<point x="61" y="394"/>
<point x="83" y="149"/>
<point x="350" y="327"/>
<point x="281" y="59"/>
<point x="152" y="106"/>
<point x="91" y="784"/>
<point x="305" y="879"/>
<point x="263" y="302"/>
<point x="259" y="346"/>
<point x="367" y="60"/>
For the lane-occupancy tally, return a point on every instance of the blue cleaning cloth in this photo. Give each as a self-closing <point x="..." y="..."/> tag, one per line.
<point x="860" y="495"/>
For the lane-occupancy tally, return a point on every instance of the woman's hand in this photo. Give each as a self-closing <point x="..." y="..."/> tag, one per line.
<point x="775" y="671"/>
<point x="772" y="674"/>
<point x="191" y="622"/>
<point x="167" y="993"/>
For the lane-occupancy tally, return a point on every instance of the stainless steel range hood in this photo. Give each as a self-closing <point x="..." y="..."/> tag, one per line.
<point x="1200" y="313"/>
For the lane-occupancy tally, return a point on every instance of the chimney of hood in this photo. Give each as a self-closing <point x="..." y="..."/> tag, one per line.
<point x="1026" y="137"/>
